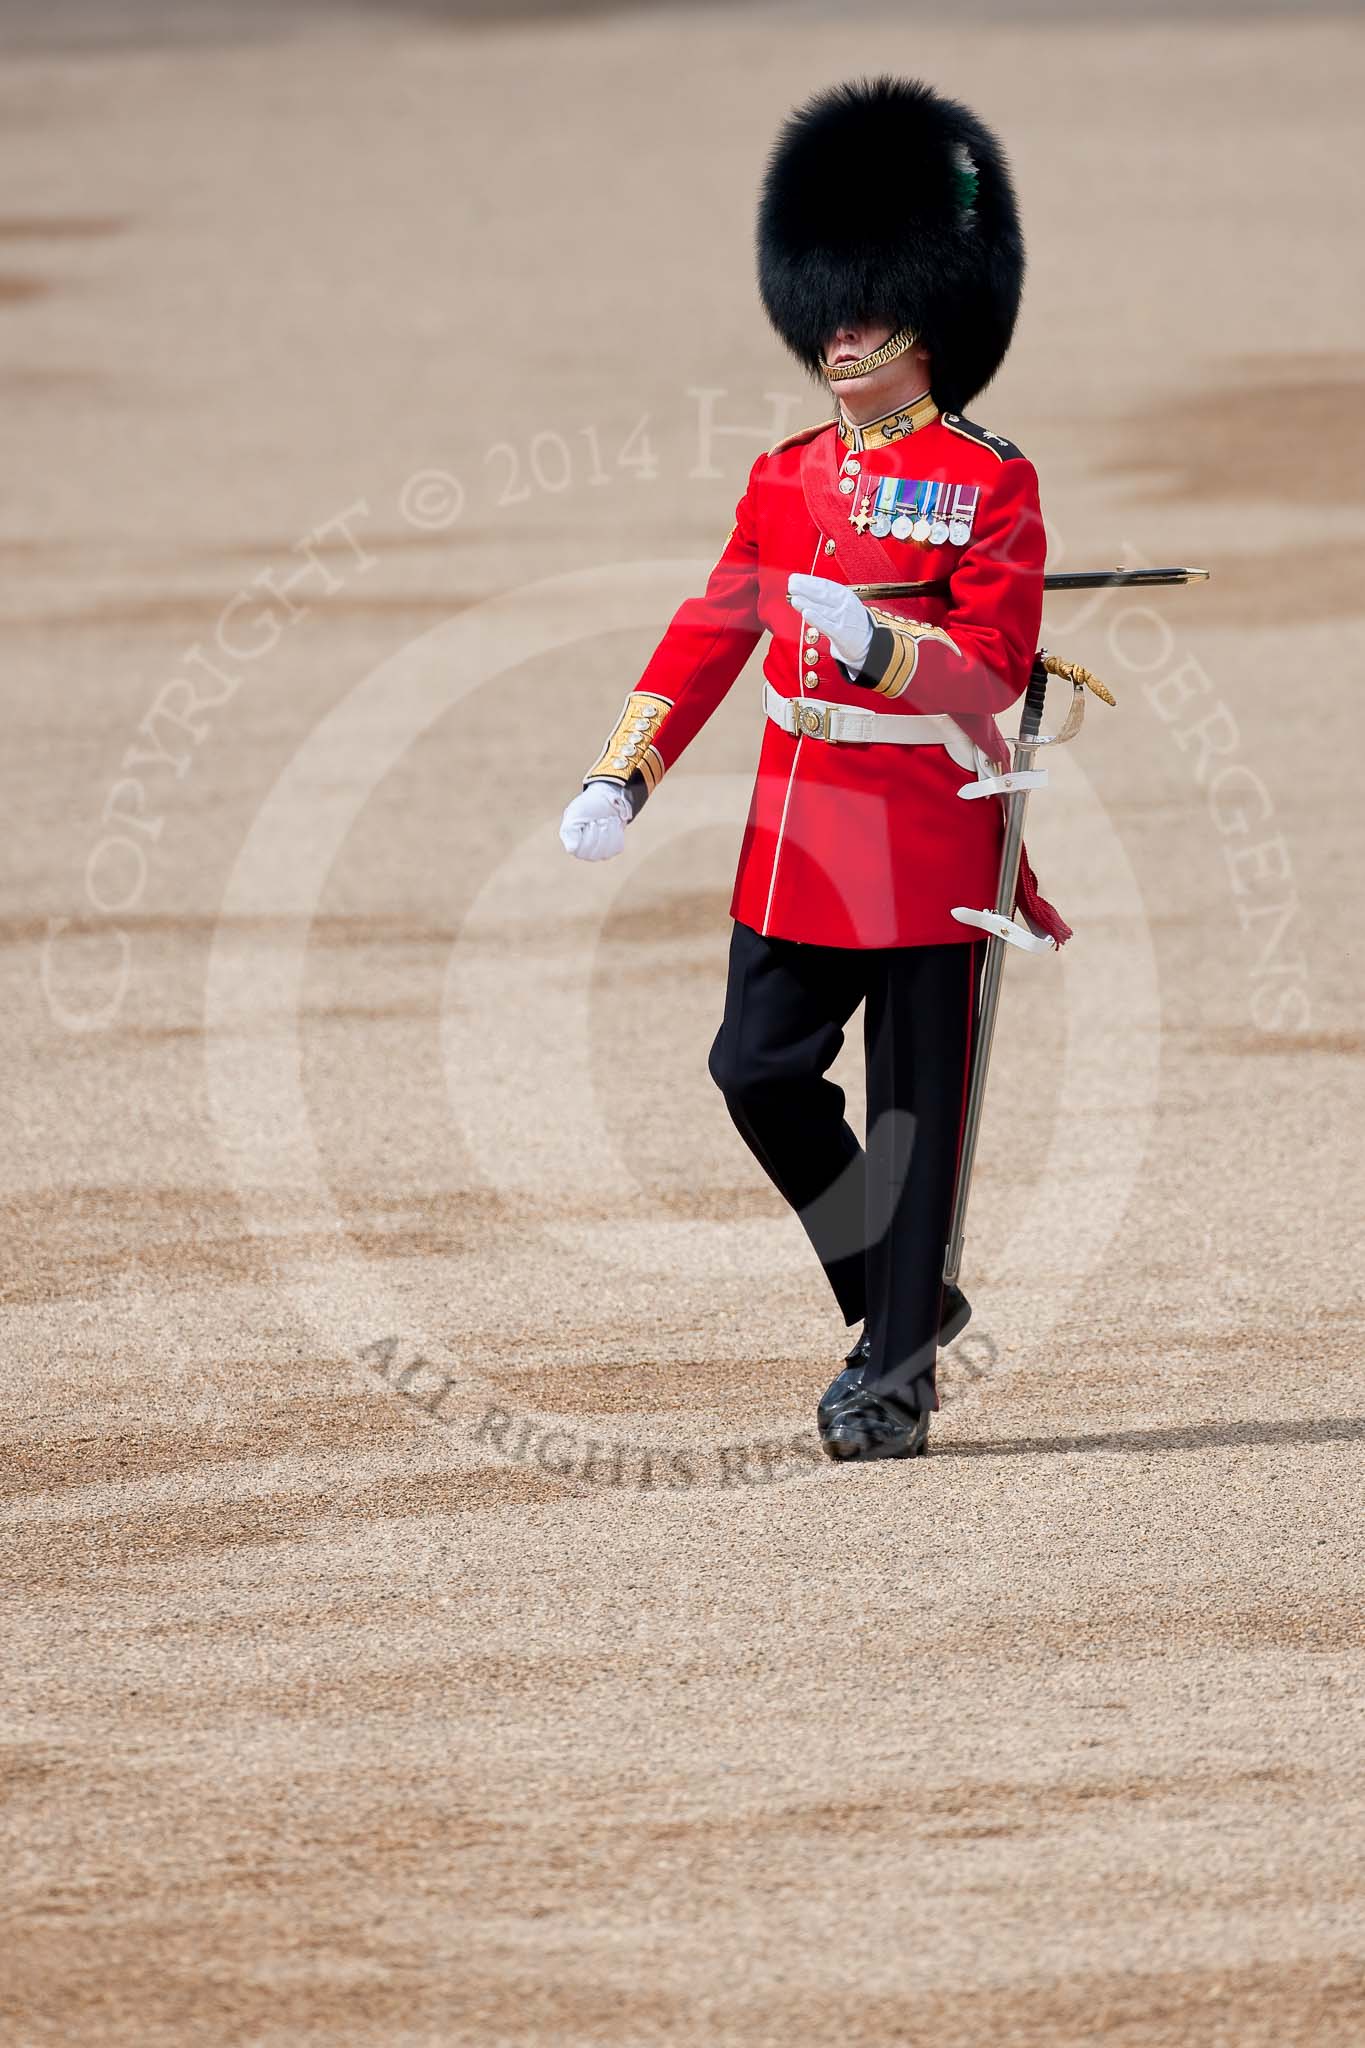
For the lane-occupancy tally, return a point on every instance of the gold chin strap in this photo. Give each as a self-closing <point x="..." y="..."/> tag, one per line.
<point x="839" y="373"/>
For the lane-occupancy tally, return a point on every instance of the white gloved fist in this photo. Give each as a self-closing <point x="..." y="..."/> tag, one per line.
<point x="593" y="826"/>
<point x="838" y="613"/>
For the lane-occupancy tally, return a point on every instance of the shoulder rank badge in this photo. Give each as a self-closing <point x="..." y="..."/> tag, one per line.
<point x="904" y="508"/>
<point x="999" y="447"/>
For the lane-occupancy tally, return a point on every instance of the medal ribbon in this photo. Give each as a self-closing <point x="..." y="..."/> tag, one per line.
<point x="863" y="559"/>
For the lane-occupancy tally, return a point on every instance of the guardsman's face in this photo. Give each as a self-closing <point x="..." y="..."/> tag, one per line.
<point x="849" y="343"/>
<point x="895" y="383"/>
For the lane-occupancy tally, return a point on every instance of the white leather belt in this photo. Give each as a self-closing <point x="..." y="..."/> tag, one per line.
<point x="850" y="725"/>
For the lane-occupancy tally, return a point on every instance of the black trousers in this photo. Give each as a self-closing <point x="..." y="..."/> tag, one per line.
<point x="877" y="1218"/>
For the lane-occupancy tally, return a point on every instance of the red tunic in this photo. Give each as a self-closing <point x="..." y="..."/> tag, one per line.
<point x="860" y="845"/>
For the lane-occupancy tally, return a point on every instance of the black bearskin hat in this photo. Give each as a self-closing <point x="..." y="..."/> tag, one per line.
<point x="885" y="201"/>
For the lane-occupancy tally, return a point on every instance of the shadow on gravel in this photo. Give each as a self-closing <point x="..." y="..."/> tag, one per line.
<point x="1231" y="1436"/>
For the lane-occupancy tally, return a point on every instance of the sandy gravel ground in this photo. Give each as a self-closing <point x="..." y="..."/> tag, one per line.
<point x="427" y="1621"/>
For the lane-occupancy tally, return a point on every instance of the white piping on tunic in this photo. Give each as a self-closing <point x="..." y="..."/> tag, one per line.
<point x="791" y="775"/>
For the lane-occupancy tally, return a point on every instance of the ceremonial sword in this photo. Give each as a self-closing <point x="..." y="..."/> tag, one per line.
<point x="1000" y="925"/>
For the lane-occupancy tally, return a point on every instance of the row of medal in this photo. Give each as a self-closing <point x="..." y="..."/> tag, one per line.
<point x="902" y="509"/>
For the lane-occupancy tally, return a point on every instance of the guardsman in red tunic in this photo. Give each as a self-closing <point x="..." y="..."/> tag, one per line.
<point x="873" y="823"/>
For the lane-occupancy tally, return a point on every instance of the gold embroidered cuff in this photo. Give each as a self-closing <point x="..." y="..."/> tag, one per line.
<point x="630" y="748"/>
<point x="906" y="635"/>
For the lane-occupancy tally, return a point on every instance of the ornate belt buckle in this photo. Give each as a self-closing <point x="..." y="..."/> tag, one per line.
<point x="814" y="721"/>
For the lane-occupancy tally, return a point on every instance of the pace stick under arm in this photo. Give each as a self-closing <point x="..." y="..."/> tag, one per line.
<point x="1063" y="579"/>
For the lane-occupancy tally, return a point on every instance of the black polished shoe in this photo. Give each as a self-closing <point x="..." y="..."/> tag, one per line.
<point x="847" y="1382"/>
<point x="865" y="1427"/>
<point x="957" y="1313"/>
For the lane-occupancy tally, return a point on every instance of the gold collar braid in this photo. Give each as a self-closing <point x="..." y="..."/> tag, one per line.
<point x="892" y="426"/>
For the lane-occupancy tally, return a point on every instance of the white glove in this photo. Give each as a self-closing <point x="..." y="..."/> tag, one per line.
<point x="593" y="826"/>
<point x="838" y="613"/>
